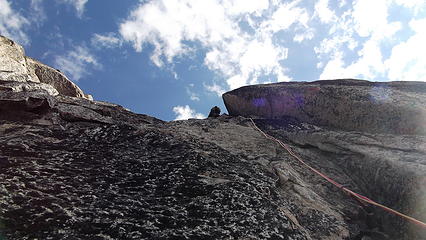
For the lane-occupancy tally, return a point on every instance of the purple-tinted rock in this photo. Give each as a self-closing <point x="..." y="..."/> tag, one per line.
<point x="391" y="107"/>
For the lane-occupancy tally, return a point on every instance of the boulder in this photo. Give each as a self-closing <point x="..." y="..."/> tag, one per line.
<point x="214" y="112"/>
<point x="347" y="104"/>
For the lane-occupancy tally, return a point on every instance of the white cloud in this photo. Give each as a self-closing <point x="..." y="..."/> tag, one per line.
<point x="76" y="62"/>
<point x="109" y="40"/>
<point x="334" y="69"/>
<point x="305" y="35"/>
<point x="369" y="16"/>
<point x="237" y="7"/>
<point x="192" y="95"/>
<point x="38" y="15"/>
<point x="248" y="41"/>
<point x="371" y="19"/>
<point x="78" y="5"/>
<point x="12" y="24"/>
<point x="369" y="65"/>
<point x="243" y="63"/>
<point x="215" y="88"/>
<point x="333" y="48"/>
<point x="407" y="60"/>
<point x="366" y="28"/>
<point x="285" y="16"/>
<point x="185" y="112"/>
<point x="239" y="57"/>
<point x="342" y="3"/>
<point x="415" y="5"/>
<point x="323" y="12"/>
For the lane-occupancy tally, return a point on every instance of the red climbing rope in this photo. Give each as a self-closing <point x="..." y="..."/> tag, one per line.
<point x="344" y="189"/>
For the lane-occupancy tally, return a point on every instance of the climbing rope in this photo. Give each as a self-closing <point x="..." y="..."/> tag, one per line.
<point x="344" y="189"/>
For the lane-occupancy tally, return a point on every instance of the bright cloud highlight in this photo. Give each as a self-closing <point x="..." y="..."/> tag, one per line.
<point x="109" y="40"/>
<point x="245" y="42"/>
<point x="363" y="30"/>
<point x="407" y="60"/>
<point x="12" y="24"/>
<point x="79" y="5"/>
<point x="237" y="55"/>
<point x="77" y="62"/>
<point x="185" y="112"/>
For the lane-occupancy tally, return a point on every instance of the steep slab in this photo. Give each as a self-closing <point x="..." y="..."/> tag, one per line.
<point x="389" y="169"/>
<point x="347" y="104"/>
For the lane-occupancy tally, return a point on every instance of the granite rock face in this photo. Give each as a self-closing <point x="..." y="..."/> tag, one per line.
<point x="56" y="79"/>
<point x="375" y="132"/>
<point x="15" y="66"/>
<point x="72" y="168"/>
<point x="391" y="107"/>
<point x="13" y="63"/>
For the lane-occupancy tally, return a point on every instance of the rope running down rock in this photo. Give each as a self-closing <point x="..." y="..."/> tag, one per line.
<point x="344" y="189"/>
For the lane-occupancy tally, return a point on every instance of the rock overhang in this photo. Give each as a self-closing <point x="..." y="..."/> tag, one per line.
<point x="347" y="104"/>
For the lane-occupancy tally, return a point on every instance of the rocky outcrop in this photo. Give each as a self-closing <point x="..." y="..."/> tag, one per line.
<point x="15" y="66"/>
<point x="214" y="112"/>
<point x="56" y="79"/>
<point x="72" y="168"/>
<point x="377" y="107"/>
<point x="13" y="63"/>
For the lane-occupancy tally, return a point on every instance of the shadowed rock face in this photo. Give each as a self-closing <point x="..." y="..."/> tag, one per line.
<point x="391" y="107"/>
<point x="72" y="168"/>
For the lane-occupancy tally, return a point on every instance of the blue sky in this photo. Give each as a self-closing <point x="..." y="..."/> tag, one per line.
<point x="173" y="59"/>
